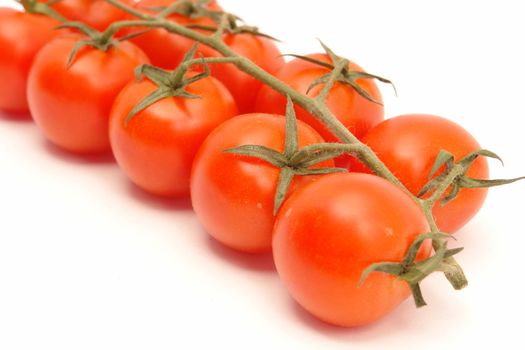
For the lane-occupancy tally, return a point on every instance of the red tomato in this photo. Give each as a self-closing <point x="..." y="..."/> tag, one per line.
<point x="356" y="112"/>
<point x="233" y="195"/>
<point x="21" y="37"/>
<point x="166" y="50"/>
<point x="244" y="87"/>
<point x="409" y="144"/>
<point x="156" y="148"/>
<point x="71" y="104"/>
<point x="97" y="14"/>
<point x="328" y="232"/>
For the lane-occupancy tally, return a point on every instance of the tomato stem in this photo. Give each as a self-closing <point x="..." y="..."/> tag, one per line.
<point x="41" y="8"/>
<point x="417" y="294"/>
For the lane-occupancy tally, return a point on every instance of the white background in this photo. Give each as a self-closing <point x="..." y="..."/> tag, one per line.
<point x="87" y="261"/>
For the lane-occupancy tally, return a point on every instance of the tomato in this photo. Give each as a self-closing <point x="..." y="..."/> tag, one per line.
<point x="328" y="232"/>
<point x="21" y="37"/>
<point x="156" y="148"/>
<point x="98" y="14"/>
<point x="409" y="144"/>
<point x="71" y="105"/>
<point x="356" y="112"/>
<point x="166" y="50"/>
<point x="233" y="195"/>
<point x="244" y="88"/>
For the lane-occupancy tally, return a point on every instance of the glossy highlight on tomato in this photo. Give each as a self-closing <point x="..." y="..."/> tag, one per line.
<point x="233" y="195"/>
<point x="328" y="232"/>
<point x="22" y="35"/>
<point x="353" y="110"/>
<point x="156" y="148"/>
<point x="71" y="104"/>
<point x="409" y="145"/>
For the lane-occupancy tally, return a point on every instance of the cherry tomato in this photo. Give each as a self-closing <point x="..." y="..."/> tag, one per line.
<point x="233" y="195"/>
<point x="356" y="112"/>
<point x="71" y="105"/>
<point x="156" y="148"/>
<point x="409" y="144"/>
<point x="244" y="88"/>
<point x="328" y="232"/>
<point x="166" y="50"/>
<point x="22" y="35"/>
<point x="98" y="14"/>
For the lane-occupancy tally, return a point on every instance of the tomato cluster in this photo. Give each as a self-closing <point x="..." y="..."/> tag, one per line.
<point x="175" y="133"/>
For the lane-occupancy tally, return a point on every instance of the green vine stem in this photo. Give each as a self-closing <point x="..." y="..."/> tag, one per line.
<point x="314" y="106"/>
<point x="42" y="8"/>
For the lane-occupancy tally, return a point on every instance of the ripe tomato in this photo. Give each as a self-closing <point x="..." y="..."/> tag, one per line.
<point x="328" y="232"/>
<point x="233" y="195"/>
<point x="21" y="37"/>
<point x="244" y="87"/>
<point x="356" y="112"/>
<point x="71" y="104"/>
<point x="97" y="14"/>
<point x="156" y="148"/>
<point x="409" y="144"/>
<point x="166" y="50"/>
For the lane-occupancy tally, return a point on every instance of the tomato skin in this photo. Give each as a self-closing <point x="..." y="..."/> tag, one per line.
<point x="98" y="14"/>
<point x="354" y="111"/>
<point x="22" y="35"/>
<point x="329" y="231"/>
<point x="156" y="148"/>
<point x="166" y="50"/>
<point x="232" y="195"/>
<point x="244" y="88"/>
<point x="71" y="105"/>
<point x="409" y="144"/>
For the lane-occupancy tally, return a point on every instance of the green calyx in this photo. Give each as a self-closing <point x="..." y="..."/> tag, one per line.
<point x="228" y="23"/>
<point x="187" y="8"/>
<point x="41" y="8"/>
<point x="233" y="24"/>
<point x="412" y="271"/>
<point x="340" y="72"/>
<point x="455" y="175"/>
<point x="170" y="84"/>
<point x="195" y="9"/>
<point x="292" y="161"/>
<point x="241" y="29"/>
<point x="102" y="41"/>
